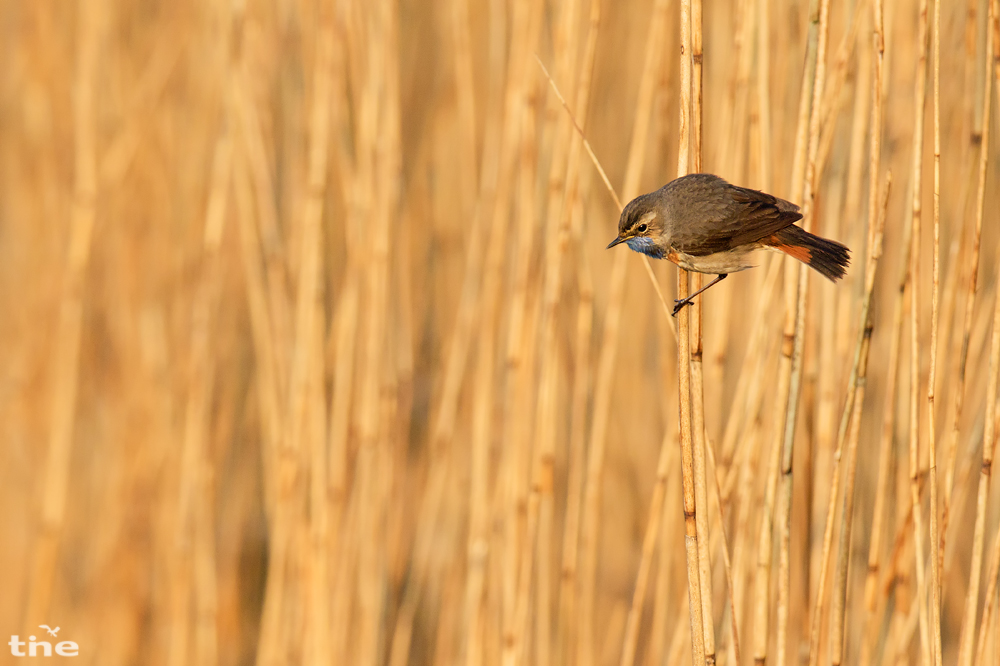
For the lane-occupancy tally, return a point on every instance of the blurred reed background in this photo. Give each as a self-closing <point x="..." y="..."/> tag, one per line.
<point x="312" y="352"/>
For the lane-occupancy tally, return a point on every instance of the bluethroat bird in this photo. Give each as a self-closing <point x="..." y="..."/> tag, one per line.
<point x="702" y="223"/>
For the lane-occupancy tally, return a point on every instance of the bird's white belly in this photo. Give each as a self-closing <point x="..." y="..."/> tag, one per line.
<point x="719" y="263"/>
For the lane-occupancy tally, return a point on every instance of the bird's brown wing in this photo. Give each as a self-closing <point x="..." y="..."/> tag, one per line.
<point x="748" y="217"/>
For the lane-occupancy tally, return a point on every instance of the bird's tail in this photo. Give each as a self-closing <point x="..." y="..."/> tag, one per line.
<point x="828" y="257"/>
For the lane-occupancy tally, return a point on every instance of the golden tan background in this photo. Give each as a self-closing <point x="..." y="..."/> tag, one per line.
<point x="312" y="353"/>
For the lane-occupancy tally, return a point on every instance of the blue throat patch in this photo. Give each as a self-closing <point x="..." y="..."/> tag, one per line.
<point x="645" y="245"/>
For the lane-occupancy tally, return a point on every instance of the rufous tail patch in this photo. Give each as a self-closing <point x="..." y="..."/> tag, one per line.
<point x="800" y="252"/>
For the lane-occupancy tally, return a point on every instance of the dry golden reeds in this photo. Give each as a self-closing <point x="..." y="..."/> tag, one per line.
<point x="313" y="353"/>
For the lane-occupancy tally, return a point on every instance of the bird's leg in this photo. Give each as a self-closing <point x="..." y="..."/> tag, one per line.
<point x="681" y="302"/>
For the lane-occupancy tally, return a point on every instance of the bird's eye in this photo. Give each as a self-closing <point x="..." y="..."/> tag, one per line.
<point x="641" y="228"/>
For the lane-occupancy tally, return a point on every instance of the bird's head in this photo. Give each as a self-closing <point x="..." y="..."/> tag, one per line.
<point x="641" y="227"/>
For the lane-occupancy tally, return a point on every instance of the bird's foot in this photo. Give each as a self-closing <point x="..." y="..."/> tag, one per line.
<point x="680" y="303"/>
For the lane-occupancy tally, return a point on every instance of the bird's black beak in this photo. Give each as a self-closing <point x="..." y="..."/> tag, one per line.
<point x="620" y="239"/>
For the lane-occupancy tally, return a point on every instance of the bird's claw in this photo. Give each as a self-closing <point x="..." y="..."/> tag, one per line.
<point x="679" y="303"/>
